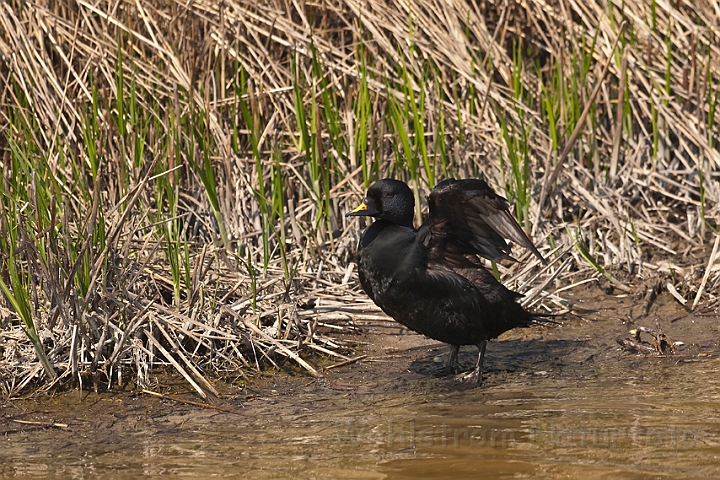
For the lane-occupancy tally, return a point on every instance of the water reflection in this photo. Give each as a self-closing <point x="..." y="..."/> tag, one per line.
<point x="661" y="421"/>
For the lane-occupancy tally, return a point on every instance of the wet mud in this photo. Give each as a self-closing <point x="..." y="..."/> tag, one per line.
<point x="562" y="401"/>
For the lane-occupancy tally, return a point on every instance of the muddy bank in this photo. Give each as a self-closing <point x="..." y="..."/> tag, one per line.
<point x="557" y="402"/>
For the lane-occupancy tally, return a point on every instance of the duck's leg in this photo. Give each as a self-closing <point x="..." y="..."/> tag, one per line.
<point x="452" y="360"/>
<point x="474" y="378"/>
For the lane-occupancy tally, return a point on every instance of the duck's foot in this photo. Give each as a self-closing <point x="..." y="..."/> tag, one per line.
<point x="452" y="365"/>
<point x="470" y="380"/>
<point x="474" y="378"/>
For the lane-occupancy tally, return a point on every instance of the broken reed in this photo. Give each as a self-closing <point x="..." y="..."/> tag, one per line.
<point x="258" y="145"/>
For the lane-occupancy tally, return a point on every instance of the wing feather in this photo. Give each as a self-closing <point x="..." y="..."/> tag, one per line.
<point x="467" y="218"/>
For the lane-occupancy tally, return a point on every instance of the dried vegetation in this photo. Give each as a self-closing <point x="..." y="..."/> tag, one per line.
<point x="175" y="174"/>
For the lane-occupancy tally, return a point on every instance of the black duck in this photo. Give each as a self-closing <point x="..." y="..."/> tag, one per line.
<point x="431" y="279"/>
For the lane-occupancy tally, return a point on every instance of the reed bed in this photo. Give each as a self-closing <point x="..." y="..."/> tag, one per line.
<point x="176" y="174"/>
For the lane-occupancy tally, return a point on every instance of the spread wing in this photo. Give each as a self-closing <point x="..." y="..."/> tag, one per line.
<point x="466" y="218"/>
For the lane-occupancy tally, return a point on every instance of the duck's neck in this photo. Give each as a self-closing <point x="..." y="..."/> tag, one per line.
<point x="378" y="226"/>
<point x="404" y="220"/>
<point x="372" y="231"/>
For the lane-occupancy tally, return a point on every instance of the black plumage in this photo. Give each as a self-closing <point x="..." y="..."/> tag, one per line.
<point x="431" y="280"/>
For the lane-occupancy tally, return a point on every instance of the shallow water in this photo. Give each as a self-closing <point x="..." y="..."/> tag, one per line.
<point x="562" y="402"/>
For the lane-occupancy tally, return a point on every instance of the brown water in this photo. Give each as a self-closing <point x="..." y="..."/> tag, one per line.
<point x="561" y="402"/>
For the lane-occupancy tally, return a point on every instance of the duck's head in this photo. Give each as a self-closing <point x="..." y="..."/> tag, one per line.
<point x="387" y="199"/>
